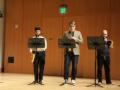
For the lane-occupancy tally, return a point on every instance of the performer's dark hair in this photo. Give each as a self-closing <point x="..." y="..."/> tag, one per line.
<point x="37" y="28"/>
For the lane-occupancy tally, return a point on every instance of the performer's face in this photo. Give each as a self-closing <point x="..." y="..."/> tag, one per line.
<point x="38" y="32"/>
<point x="105" y="33"/>
<point x="72" y="27"/>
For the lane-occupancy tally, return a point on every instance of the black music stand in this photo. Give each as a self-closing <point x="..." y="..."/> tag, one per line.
<point x="66" y="43"/>
<point x="36" y="43"/>
<point x="95" y="42"/>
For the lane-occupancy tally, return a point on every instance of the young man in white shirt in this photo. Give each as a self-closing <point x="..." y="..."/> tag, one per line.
<point x="38" y="58"/>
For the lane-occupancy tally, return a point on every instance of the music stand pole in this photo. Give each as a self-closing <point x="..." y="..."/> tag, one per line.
<point x="95" y="84"/>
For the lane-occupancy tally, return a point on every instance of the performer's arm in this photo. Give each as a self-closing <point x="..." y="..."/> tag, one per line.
<point x="45" y="44"/>
<point x="79" y="39"/>
<point x="32" y="55"/>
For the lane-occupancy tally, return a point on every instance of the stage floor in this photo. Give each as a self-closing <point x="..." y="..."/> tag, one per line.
<point x="21" y="81"/>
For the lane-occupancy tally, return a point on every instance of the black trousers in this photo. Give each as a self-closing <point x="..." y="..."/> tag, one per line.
<point x="38" y="65"/>
<point x="103" y="61"/>
<point x="70" y="57"/>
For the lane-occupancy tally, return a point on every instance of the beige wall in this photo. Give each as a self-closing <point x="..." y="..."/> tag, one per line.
<point x="90" y="15"/>
<point x="1" y="33"/>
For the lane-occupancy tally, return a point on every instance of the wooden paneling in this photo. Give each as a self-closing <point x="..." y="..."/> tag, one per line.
<point x="115" y="57"/>
<point x="13" y="35"/>
<point x="90" y="16"/>
<point x="54" y="55"/>
<point x="115" y="32"/>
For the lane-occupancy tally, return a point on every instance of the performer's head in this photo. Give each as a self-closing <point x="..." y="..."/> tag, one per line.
<point x="105" y="33"/>
<point x="37" y="31"/>
<point x="72" y="25"/>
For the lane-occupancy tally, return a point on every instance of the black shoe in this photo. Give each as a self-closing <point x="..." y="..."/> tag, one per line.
<point x="41" y="83"/>
<point x="108" y="83"/>
<point x="34" y="82"/>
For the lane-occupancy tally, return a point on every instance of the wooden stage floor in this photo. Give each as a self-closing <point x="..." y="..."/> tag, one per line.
<point x="21" y="81"/>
